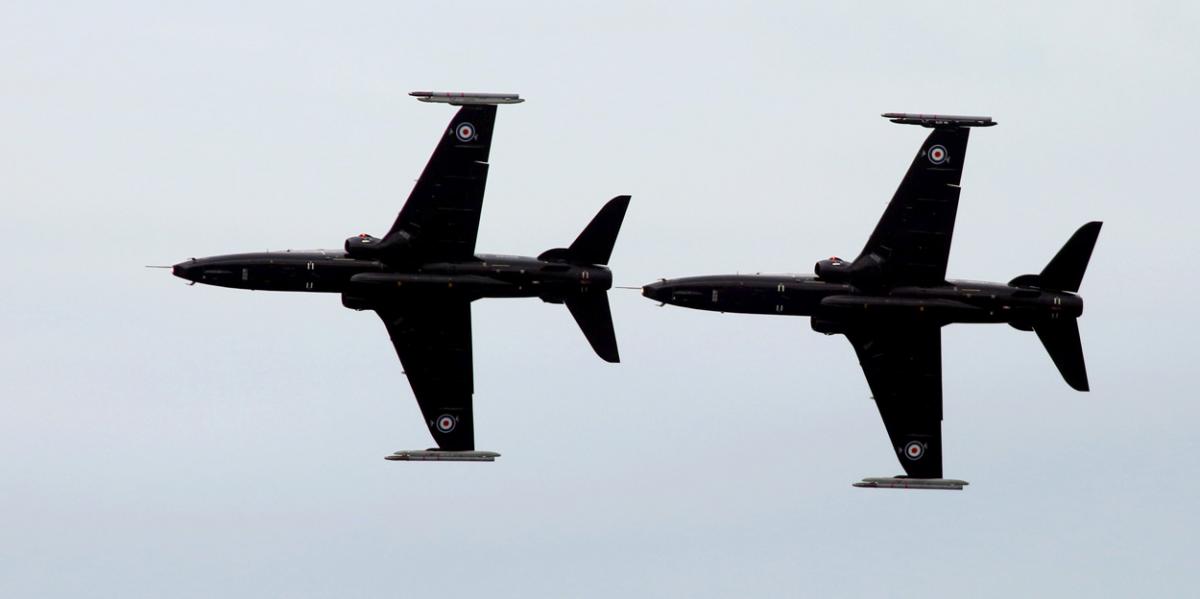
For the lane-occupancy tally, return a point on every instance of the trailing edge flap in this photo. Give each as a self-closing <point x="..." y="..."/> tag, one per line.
<point x="1061" y="340"/>
<point x="595" y="320"/>
<point x="911" y="243"/>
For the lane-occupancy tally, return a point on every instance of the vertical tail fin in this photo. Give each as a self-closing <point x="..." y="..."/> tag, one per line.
<point x="595" y="320"/>
<point x="595" y="244"/>
<point x="1065" y="270"/>
<point x="1061" y="340"/>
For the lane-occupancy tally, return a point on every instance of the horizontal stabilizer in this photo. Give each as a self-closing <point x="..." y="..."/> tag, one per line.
<point x="595" y="244"/>
<point x="939" y="120"/>
<point x="1066" y="269"/>
<point x="1061" y="339"/>
<point x="592" y="314"/>
<point x="433" y="455"/>
<point x="900" y="482"/>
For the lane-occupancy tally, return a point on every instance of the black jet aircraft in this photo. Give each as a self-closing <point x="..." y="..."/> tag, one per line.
<point x="421" y="277"/>
<point x="893" y="299"/>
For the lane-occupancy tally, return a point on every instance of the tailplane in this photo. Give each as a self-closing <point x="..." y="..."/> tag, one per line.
<point x="595" y="320"/>
<point x="595" y="244"/>
<point x="1061" y="340"/>
<point x="1065" y="270"/>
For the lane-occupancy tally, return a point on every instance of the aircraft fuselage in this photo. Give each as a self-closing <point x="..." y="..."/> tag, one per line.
<point x="799" y="295"/>
<point x="333" y="271"/>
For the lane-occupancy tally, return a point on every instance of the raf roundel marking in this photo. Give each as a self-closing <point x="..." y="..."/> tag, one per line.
<point x="465" y="132"/>
<point x="914" y="450"/>
<point x="446" y="423"/>
<point x="937" y="154"/>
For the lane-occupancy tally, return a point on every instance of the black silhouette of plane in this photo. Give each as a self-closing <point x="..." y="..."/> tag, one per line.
<point x="893" y="299"/>
<point x="421" y="277"/>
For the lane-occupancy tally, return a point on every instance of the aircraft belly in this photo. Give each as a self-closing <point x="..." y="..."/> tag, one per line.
<point x="868" y="306"/>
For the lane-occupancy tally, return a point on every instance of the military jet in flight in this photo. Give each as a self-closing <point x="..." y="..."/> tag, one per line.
<point x="421" y="277"/>
<point x="893" y="299"/>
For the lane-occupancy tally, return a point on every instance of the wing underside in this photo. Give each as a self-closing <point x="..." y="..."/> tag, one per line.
<point x="440" y="219"/>
<point x="903" y="366"/>
<point x="911" y="243"/>
<point x="433" y="340"/>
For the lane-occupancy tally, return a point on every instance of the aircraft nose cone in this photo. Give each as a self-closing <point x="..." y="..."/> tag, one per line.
<point x="653" y="291"/>
<point x="184" y="270"/>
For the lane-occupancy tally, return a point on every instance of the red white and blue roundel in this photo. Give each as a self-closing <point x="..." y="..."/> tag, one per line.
<point x="937" y="154"/>
<point x="446" y="423"/>
<point x="914" y="450"/>
<point x="464" y="131"/>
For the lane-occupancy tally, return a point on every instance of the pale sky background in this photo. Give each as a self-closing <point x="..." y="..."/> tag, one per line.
<point x="164" y="440"/>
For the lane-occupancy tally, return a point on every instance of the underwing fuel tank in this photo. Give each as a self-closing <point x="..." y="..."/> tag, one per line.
<point x="901" y="482"/>
<point x="437" y="455"/>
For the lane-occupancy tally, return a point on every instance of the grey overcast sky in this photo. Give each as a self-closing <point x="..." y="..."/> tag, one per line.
<point x="160" y="440"/>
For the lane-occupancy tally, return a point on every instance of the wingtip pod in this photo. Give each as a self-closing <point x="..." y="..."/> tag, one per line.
<point x="901" y="482"/>
<point x="435" y="455"/>
<point x="467" y="98"/>
<point x="938" y="120"/>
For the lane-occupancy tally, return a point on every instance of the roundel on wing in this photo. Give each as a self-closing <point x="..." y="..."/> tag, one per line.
<point x="464" y="131"/>
<point x="937" y="154"/>
<point x="914" y="450"/>
<point x="446" y="423"/>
